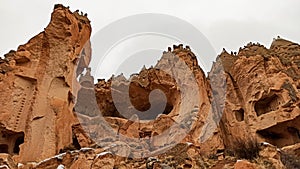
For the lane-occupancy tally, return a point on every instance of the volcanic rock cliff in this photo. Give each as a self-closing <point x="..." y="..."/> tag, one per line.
<point x="36" y="88"/>
<point x="54" y="116"/>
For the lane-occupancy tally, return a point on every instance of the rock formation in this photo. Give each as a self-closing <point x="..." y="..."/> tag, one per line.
<point x="262" y="99"/>
<point x="36" y="88"/>
<point x="245" y="114"/>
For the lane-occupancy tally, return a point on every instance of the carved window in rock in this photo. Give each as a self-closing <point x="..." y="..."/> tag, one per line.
<point x="267" y="104"/>
<point x="10" y="141"/>
<point x="239" y="114"/>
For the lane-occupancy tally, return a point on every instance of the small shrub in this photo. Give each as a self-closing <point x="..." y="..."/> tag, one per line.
<point x="290" y="161"/>
<point x="229" y="152"/>
<point x="245" y="149"/>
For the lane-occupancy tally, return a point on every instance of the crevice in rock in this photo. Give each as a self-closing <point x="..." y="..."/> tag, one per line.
<point x="289" y="87"/>
<point x="75" y="142"/>
<point x="236" y="87"/>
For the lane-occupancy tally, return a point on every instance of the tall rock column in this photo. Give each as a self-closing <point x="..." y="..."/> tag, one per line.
<point x="36" y="84"/>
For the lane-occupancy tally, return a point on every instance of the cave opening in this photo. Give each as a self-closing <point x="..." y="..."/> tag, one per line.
<point x="3" y="148"/>
<point x="18" y="142"/>
<point x="155" y="111"/>
<point x="282" y="134"/>
<point x="168" y="109"/>
<point x="267" y="105"/>
<point x="146" y="100"/>
<point x="295" y="133"/>
<point x="10" y="141"/>
<point x="269" y="135"/>
<point x="75" y="142"/>
<point x="145" y="134"/>
<point x="239" y="115"/>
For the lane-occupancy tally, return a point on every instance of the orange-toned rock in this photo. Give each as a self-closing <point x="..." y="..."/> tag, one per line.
<point x="262" y="96"/>
<point x="243" y="164"/>
<point x="36" y="84"/>
<point x="7" y="162"/>
<point x="192" y="113"/>
<point x="53" y="116"/>
<point x="293" y="149"/>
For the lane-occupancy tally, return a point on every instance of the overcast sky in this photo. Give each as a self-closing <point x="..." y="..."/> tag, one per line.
<point x="226" y="23"/>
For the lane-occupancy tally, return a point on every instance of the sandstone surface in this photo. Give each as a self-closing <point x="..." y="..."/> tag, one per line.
<point x="244" y="114"/>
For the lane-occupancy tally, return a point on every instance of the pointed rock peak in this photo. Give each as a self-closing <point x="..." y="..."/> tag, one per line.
<point x="117" y="80"/>
<point x="180" y="46"/>
<point x="87" y="80"/>
<point x="187" y="48"/>
<point x="175" y="47"/>
<point x="121" y="77"/>
<point x="224" y="53"/>
<point x="279" y="42"/>
<point x="113" y="76"/>
<point x="88" y="71"/>
<point x="249" y="44"/>
<point x="56" y="6"/>
<point x="144" y="68"/>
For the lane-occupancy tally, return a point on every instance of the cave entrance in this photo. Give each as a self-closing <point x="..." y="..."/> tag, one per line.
<point x="283" y="134"/>
<point x="239" y="115"/>
<point x="75" y="142"/>
<point x="151" y="115"/>
<point x="267" y="105"/>
<point x="168" y="109"/>
<point x="10" y="141"/>
<point x="18" y="142"/>
<point x="145" y="134"/>
<point x="3" y="148"/>
<point x="151" y="103"/>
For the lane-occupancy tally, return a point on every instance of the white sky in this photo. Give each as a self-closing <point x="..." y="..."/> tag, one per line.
<point x="226" y="23"/>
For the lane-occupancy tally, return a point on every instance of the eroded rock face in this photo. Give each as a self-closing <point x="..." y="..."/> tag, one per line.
<point x="157" y="107"/>
<point x="36" y="84"/>
<point x="53" y="111"/>
<point x="262" y="96"/>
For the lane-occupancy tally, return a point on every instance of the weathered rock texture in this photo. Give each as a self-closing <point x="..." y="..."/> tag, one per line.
<point x="140" y="86"/>
<point x="262" y="96"/>
<point x="36" y="88"/>
<point x="51" y="112"/>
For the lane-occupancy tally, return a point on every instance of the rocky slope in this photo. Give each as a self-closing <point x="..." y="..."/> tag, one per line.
<point x="245" y="114"/>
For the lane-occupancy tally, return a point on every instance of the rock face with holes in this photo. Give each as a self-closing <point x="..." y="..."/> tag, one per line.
<point x="262" y="96"/>
<point x="159" y="106"/>
<point x="36" y="86"/>
<point x="53" y="116"/>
